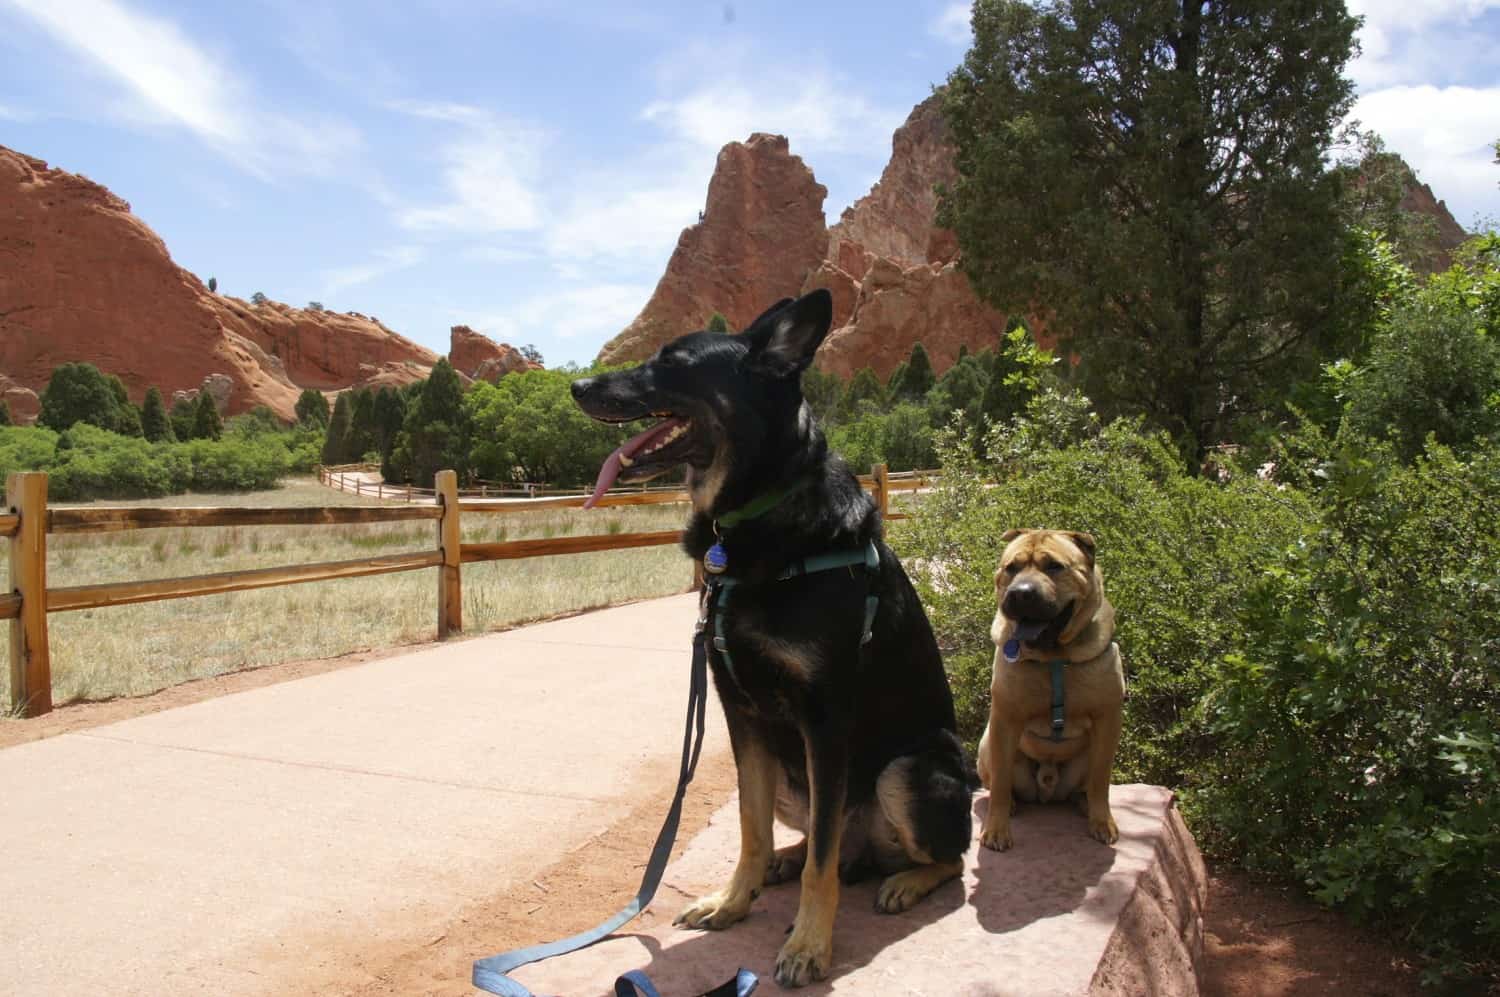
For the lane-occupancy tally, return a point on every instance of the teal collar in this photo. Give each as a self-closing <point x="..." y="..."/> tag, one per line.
<point x="764" y="503"/>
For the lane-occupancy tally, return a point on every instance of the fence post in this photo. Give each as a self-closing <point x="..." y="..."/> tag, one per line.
<point x="450" y="578"/>
<point x="30" y="665"/>
<point x="882" y="489"/>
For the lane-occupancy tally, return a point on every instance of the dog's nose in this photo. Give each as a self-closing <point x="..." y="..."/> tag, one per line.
<point x="581" y="386"/>
<point x="1023" y="599"/>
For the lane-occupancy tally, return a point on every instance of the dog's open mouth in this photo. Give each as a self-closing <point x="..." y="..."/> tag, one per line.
<point x="1043" y="633"/>
<point x="645" y="455"/>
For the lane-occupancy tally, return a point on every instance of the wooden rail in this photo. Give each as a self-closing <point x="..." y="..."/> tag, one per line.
<point x="25" y="522"/>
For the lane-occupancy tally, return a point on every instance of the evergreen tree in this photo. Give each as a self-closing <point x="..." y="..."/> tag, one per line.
<point x="895" y="385"/>
<point x="5" y="419"/>
<point x="390" y="413"/>
<point x="435" y="434"/>
<point x="336" y="440"/>
<point x="1155" y="174"/>
<point x="362" y="437"/>
<point x="80" y="392"/>
<point x="312" y="409"/>
<point x="822" y="391"/>
<point x="155" y="425"/>
<point x="207" y="425"/>
<point x="717" y="323"/>
<point x="863" y="389"/>
<point x="919" y="377"/>
<point x="184" y="414"/>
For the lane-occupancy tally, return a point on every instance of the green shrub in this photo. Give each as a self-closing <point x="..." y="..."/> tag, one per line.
<point x="1366" y="687"/>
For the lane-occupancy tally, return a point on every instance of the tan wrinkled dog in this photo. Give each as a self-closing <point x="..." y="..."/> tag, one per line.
<point x="1051" y="606"/>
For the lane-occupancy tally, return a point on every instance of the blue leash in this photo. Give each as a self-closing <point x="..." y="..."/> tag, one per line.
<point x="490" y="974"/>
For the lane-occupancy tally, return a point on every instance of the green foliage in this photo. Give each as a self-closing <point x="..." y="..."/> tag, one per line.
<point x="1153" y="176"/>
<point x="5" y="419"/>
<point x="258" y="298"/>
<point x="717" y="323"/>
<point x="207" y="424"/>
<point x="155" y="426"/>
<point x="919" y="377"/>
<point x="184" y="415"/>
<point x="315" y="306"/>
<point x="312" y="408"/>
<point x="1375" y="180"/>
<point x="1365" y="687"/>
<point x="865" y="390"/>
<point x="80" y="392"/>
<point x="86" y="462"/>
<point x="901" y="437"/>
<point x="390" y="413"/>
<point x="363" y="438"/>
<point x="822" y="391"/>
<point x="336" y="437"/>
<point x="435" y="435"/>
<point x="526" y="428"/>
<point x="1336" y="628"/>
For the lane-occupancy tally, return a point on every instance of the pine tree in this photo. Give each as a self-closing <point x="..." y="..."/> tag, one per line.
<point x="919" y="377"/>
<point x="1156" y="174"/>
<point x="207" y="425"/>
<point x="363" y="437"/>
<point x="155" y="425"/>
<point x="717" y="323"/>
<point x="184" y="415"/>
<point x="4" y="413"/>
<point x="80" y="392"/>
<point x="435" y="434"/>
<point x="336" y="440"/>
<point x="312" y="409"/>
<point x="390" y="413"/>
<point x="863" y="389"/>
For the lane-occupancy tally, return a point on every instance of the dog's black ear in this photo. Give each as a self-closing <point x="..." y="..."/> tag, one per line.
<point x="784" y="339"/>
<point x="763" y="316"/>
<point x="1010" y="535"/>
<point x="1085" y="542"/>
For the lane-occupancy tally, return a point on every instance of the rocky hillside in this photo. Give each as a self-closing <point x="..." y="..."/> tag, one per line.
<point x="763" y="237"/>
<point x="82" y="278"/>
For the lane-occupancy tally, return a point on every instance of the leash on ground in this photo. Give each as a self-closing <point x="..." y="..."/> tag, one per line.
<point x="490" y="974"/>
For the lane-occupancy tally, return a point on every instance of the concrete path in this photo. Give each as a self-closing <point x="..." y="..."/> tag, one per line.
<point x="184" y="851"/>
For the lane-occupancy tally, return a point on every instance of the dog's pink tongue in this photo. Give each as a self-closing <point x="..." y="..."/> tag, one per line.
<point x="610" y="469"/>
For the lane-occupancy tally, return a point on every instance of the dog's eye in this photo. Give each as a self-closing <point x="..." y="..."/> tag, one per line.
<point x="1011" y="568"/>
<point x="1052" y="567"/>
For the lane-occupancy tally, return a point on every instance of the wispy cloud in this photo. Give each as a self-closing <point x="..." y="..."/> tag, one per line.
<point x="490" y="173"/>
<point x="170" y="79"/>
<point x="1446" y="133"/>
<point x="386" y="261"/>
<point x="952" y="25"/>
<point x="1431" y="41"/>
<point x="589" y="312"/>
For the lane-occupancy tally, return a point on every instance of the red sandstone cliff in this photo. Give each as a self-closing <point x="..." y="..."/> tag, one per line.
<point x="888" y="266"/>
<point x="477" y="356"/>
<point x="761" y="235"/>
<point x="81" y="278"/>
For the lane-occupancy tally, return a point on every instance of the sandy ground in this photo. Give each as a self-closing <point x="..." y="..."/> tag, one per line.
<point x="1260" y="938"/>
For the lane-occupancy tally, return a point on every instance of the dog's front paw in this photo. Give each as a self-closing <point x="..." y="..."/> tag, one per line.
<point x="803" y="959"/>
<point x="714" y="912"/>
<point x="902" y="891"/>
<point x="996" y="835"/>
<point x="1104" y="829"/>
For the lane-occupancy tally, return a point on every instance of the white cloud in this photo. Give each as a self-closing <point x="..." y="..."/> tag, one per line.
<point x="386" y="261"/>
<point x="490" y="173"/>
<point x="1428" y="41"/>
<point x="952" y="25"/>
<point x="629" y="217"/>
<point x="171" y="80"/>
<point x="591" y="313"/>
<point x="1447" y="134"/>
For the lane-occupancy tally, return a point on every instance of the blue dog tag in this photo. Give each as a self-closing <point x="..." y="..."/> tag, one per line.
<point x="1012" y="649"/>
<point x="715" y="560"/>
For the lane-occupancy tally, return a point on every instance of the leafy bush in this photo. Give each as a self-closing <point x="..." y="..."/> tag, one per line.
<point x="1366" y="686"/>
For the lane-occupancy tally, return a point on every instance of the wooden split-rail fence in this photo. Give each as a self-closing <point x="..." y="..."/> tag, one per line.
<point x="26" y="522"/>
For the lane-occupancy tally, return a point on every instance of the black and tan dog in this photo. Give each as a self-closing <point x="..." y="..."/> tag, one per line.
<point x="1051" y="609"/>
<point x="854" y="748"/>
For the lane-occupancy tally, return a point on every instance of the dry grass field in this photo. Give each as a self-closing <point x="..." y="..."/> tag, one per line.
<point x="135" y="650"/>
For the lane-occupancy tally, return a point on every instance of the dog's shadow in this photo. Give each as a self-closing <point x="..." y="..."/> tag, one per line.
<point x="1047" y="872"/>
<point x="694" y="962"/>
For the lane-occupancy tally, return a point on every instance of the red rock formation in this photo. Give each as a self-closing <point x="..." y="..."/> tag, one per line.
<point x="478" y="356"/>
<point x="81" y="278"/>
<point x="761" y="235"/>
<point x="1447" y="235"/>
<point x="890" y="269"/>
<point x="23" y="403"/>
<point x="895" y="219"/>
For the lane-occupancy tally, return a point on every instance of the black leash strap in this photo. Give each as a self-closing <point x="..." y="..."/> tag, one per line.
<point x="490" y="974"/>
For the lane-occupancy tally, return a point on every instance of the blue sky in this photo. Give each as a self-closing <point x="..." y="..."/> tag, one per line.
<point x="525" y="168"/>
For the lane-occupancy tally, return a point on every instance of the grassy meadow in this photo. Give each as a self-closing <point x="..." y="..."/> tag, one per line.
<point x="135" y="650"/>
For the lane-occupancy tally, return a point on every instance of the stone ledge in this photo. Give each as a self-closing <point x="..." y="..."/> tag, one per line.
<point x="1058" y="914"/>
